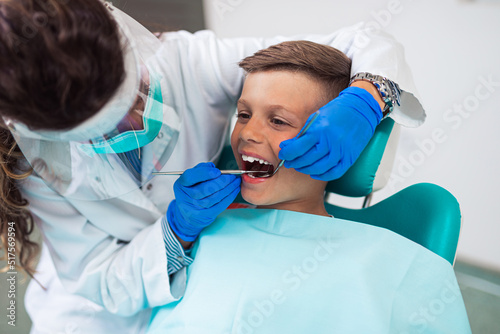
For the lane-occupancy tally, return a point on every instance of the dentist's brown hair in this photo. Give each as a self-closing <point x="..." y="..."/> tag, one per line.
<point x="60" y="62"/>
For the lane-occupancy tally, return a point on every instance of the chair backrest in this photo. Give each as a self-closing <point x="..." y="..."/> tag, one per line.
<point x="424" y="213"/>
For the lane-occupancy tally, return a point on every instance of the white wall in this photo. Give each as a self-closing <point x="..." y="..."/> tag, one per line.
<point x="453" y="47"/>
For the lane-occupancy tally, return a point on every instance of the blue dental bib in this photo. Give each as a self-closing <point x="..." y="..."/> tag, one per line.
<point x="273" y="271"/>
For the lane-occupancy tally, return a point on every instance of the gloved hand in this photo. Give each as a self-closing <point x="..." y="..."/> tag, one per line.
<point x="201" y="194"/>
<point x="336" y="138"/>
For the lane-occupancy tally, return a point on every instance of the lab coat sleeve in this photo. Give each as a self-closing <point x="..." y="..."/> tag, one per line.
<point x="371" y="51"/>
<point x="123" y="277"/>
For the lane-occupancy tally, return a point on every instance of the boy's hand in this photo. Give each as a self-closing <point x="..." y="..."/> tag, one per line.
<point x="336" y="138"/>
<point x="201" y="194"/>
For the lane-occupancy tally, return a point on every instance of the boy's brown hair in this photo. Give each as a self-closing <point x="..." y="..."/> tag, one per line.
<point x="323" y="63"/>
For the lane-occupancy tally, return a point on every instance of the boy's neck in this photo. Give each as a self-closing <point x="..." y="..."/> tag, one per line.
<point x="310" y="208"/>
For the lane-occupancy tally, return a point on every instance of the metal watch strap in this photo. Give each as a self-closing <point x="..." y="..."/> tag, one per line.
<point x="389" y="91"/>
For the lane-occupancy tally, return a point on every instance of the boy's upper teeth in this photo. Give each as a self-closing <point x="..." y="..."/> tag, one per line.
<point x="252" y="159"/>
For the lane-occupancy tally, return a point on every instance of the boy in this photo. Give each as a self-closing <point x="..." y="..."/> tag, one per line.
<point x="281" y="91"/>
<point x="287" y="266"/>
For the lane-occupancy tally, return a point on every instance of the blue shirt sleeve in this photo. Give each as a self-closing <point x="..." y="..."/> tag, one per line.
<point x="177" y="257"/>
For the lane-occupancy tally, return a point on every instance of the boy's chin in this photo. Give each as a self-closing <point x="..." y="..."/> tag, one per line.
<point x="254" y="198"/>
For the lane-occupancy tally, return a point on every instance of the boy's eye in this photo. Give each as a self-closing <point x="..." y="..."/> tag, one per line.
<point x="277" y="121"/>
<point x="242" y="115"/>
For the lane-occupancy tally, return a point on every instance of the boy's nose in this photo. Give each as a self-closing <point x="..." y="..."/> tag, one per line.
<point x="252" y="131"/>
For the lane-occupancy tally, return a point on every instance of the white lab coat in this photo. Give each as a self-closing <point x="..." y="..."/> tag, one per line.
<point x="111" y="252"/>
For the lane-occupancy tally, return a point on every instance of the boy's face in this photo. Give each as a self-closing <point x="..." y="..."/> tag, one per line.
<point x="273" y="107"/>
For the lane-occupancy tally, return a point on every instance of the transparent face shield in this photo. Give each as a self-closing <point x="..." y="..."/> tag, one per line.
<point x="115" y="151"/>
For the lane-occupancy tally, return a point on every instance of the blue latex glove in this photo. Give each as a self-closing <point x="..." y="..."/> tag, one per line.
<point x="336" y="138"/>
<point x="201" y="194"/>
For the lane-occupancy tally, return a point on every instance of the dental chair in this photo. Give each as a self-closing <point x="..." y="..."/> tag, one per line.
<point x="424" y="213"/>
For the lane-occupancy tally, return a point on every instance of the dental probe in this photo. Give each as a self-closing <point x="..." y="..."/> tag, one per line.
<point x="231" y="171"/>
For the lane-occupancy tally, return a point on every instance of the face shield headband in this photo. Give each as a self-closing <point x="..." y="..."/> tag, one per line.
<point x="152" y="119"/>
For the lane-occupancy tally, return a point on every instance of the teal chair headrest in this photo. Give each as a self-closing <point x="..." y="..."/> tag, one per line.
<point x="358" y="180"/>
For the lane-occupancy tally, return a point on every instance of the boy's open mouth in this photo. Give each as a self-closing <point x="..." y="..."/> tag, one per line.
<point x="261" y="167"/>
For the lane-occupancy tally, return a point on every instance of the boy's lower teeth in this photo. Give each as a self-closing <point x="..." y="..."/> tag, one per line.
<point x="258" y="172"/>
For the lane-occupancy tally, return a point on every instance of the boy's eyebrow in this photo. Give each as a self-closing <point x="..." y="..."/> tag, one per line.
<point x="271" y="107"/>
<point x="277" y="107"/>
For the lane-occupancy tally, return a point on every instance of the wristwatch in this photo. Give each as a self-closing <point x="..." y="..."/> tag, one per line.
<point x="389" y="91"/>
